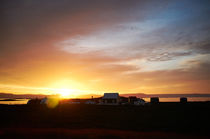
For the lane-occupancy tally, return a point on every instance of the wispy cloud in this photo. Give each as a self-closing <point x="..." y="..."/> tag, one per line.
<point x="106" y="45"/>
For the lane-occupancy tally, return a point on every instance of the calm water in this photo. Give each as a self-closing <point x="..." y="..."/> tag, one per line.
<point x="24" y="101"/>
<point x="17" y="101"/>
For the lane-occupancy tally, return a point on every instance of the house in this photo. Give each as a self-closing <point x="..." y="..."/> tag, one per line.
<point x="154" y="100"/>
<point x="111" y="99"/>
<point x="139" y="101"/>
<point x="135" y="101"/>
<point x="183" y="100"/>
<point x="123" y="100"/>
<point x="132" y="99"/>
<point x="43" y="101"/>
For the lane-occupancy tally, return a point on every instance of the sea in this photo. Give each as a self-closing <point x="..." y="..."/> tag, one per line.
<point x="174" y="99"/>
<point x="13" y="102"/>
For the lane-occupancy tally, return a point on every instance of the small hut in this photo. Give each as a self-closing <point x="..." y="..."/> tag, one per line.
<point x="183" y="100"/>
<point x="139" y="102"/>
<point x="154" y="100"/>
<point x="132" y="99"/>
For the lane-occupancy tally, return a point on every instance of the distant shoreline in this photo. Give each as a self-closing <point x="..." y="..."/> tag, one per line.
<point x="140" y="95"/>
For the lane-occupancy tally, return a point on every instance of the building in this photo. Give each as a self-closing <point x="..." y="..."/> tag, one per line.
<point x="123" y="100"/>
<point x="154" y="100"/>
<point x="132" y="99"/>
<point x="139" y="101"/>
<point x="43" y="101"/>
<point x="111" y="99"/>
<point x="34" y="101"/>
<point x="183" y="100"/>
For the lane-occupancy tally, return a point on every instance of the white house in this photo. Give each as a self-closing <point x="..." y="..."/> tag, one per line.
<point x="111" y="99"/>
<point x="139" y="102"/>
<point x="43" y="101"/>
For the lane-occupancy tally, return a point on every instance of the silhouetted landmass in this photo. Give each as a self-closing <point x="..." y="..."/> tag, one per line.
<point x="22" y="96"/>
<point x="163" y="120"/>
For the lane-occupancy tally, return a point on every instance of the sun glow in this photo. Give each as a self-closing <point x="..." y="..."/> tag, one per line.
<point x="65" y="93"/>
<point x="66" y="88"/>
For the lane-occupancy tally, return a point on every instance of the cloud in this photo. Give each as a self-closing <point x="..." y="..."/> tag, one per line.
<point x="119" y="44"/>
<point x="168" y="56"/>
<point x="193" y="79"/>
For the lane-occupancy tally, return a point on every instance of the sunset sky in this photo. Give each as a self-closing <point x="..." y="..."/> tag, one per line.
<point x="94" y="46"/>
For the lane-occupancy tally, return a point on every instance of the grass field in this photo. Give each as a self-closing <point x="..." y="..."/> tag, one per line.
<point x="164" y="120"/>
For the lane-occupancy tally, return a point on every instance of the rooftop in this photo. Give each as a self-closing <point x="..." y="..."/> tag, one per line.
<point x="111" y="95"/>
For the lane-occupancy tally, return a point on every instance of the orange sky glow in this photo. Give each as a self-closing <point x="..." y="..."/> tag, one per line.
<point x="73" y="49"/>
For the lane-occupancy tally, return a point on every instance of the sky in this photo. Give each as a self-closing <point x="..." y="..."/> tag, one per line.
<point x="77" y="47"/>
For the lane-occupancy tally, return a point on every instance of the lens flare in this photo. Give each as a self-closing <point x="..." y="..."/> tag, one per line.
<point x="52" y="102"/>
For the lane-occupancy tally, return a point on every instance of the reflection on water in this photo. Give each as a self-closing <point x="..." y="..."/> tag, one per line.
<point x="16" y="101"/>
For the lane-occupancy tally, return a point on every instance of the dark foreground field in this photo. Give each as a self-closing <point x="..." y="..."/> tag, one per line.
<point x="164" y="120"/>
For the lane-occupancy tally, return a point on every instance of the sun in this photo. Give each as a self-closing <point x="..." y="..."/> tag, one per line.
<point x="65" y="93"/>
<point x="66" y="88"/>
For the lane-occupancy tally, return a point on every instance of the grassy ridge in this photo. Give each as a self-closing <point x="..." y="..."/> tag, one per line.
<point x="190" y="118"/>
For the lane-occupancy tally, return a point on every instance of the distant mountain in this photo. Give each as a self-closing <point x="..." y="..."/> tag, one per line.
<point x="30" y="96"/>
<point x="141" y="95"/>
<point x="26" y="96"/>
<point x="90" y="96"/>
